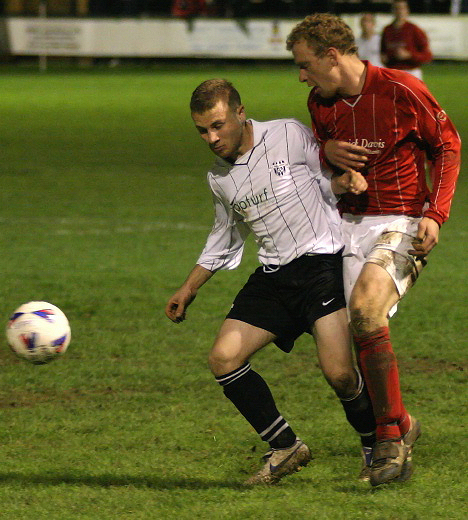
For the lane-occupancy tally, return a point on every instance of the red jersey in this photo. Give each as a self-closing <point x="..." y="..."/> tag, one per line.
<point x="188" y="8"/>
<point x="401" y="124"/>
<point x="412" y="38"/>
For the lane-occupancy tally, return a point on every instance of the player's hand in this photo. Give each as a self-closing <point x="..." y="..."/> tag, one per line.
<point x="345" y="155"/>
<point x="356" y="182"/>
<point x="402" y="53"/>
<point x="349" y="182"/>
<point x="427" y="237"/>
<point x="177" y="305"/>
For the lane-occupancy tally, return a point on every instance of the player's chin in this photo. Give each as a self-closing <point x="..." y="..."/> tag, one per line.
<point x="325" y="93"/>
<point x="220" y="151"/>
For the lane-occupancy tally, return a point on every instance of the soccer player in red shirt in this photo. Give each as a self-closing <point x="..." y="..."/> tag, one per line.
<point x="404" y="45"/>
<point x="384" y="123"/>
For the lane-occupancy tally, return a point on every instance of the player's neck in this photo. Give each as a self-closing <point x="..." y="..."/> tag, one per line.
<point x="353" y="78"/>
<point x="246" y="143"/>
<point x="398" y="23"/>
<point x="247" y="139"/>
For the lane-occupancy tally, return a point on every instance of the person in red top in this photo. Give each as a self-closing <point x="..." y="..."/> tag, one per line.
<point x="384" y="123"/>
<point x="404" y="45"/>
<point x="188" y="8"/>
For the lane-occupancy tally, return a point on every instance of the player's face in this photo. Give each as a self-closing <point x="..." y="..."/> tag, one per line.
<point x="367" y="24"/>
<point x="223" y="129"/>
<point x="316" y="71"/>
<point x="400" y="10"/>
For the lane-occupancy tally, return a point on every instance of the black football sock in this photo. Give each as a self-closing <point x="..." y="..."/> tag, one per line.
<point x="360" y="415"/>
<point x="250" y="394"/>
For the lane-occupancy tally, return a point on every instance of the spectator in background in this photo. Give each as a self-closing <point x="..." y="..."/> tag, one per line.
<point x="404" y="45"/>
<point x="369" y="41"/>
<point x="458" y="7"/>
<point x="190" y="8"/>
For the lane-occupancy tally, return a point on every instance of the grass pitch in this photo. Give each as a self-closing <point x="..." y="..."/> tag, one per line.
<point x="104" y="210"/>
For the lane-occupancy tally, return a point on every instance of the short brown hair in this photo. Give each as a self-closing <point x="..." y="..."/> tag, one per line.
<point x="322" y="31"/>
<point x="208" y="93"/>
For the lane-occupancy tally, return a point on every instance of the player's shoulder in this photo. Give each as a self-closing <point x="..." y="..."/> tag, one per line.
<point x="387" y="27"/>
<point x="219" y="168"/>
<point x="278" y="123"/>
<point x="398" y="80"/>
<point x="412" y="26"/>
<point x="392" y="74"/>
<point x="286" y="125"/>
<point x="296" y="125"/>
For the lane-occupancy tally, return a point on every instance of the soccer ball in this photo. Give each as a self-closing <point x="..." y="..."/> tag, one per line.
<point x="38" y="332"/>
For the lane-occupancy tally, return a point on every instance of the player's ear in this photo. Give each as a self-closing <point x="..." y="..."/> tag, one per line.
<point x="332" y="54"/>
<point x="241" y="113"/>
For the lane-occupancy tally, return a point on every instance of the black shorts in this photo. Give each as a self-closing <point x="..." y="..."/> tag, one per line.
<point x="287" y="302"/>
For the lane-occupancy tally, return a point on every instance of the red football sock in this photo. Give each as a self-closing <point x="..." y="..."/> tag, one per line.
<point x="404" y="422"/>
<point x="380" y="370"/>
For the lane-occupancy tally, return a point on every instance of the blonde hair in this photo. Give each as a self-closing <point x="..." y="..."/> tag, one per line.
<point x="322" y="31"/>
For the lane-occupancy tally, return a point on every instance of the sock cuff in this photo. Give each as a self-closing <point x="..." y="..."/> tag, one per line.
<point x="275" y="428"/>
<point x="230" y="377"/>
<point x="372" y="339"/>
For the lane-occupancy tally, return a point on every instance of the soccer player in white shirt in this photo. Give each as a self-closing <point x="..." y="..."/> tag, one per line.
<point x="267" y="181"/>
<point x="369" y="41"/>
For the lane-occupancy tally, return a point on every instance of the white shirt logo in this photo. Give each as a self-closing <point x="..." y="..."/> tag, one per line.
<point x="280" y="168"/>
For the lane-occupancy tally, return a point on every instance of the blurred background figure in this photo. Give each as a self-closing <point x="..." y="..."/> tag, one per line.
<point x="458" y="7"/>
<point x="369" y="41"/>
<point x="188" y="8"/>
<point x="404" y="45"/>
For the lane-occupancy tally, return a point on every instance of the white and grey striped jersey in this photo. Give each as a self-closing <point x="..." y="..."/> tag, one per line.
<point x="278" y="192"/>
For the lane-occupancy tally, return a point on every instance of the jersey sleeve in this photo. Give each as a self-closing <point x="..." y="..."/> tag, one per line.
<point x="421" y="52"/>
<point x="309" y="148"/>
<point x="320" y="132"/>
<point x="225" y="243"/>
<point x="435" y="129"/>
<point x="383" y="41"/>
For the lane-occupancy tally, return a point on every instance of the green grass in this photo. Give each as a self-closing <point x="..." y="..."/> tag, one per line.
<point x="104" y="210"/>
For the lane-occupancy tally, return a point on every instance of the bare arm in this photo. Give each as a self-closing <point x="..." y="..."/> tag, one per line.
<point x="178" y="303"/>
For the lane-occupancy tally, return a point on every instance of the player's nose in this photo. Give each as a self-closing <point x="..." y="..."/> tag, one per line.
<point x="212" y="136"/>
<point x="302" y="76"/>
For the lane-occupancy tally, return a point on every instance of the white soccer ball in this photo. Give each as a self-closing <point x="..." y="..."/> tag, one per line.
<point x="38" y="332"/>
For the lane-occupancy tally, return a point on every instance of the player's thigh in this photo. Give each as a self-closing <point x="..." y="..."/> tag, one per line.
<point x="352" y="267"/>
<point x="235" y="343"/>
<point x="334" y="351"/>
<point x="373" y="295"/>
